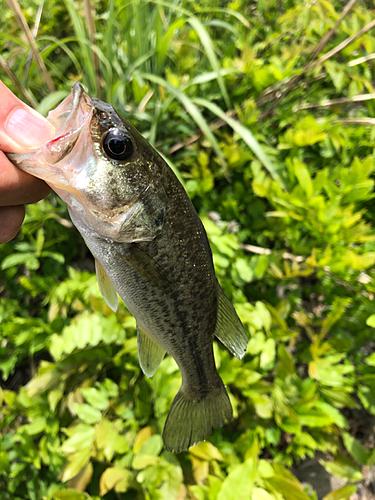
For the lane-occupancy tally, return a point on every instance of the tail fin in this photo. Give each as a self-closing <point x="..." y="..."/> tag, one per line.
<point x="191" y="420"/>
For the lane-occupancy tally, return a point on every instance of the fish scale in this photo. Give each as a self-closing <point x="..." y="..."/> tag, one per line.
<point x="150" y="248"/>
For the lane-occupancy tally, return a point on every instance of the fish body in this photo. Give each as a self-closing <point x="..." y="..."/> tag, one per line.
<point x="150" y="247"/>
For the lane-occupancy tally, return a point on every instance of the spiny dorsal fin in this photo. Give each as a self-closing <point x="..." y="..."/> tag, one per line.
<point x="106" y="287"/>
<point x="229" y="329"/>
<point x="150" y="354"/>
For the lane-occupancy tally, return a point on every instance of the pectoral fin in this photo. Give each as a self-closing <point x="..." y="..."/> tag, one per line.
<point x="149" y="352"/>
<point x="148" y="268"/>
<point x="229" y="329"/>
<point x="105" y="286"/>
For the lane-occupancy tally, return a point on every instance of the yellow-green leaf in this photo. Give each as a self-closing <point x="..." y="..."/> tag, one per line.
<point x="76" y="462"/>
<point x="205" y="451"/>
<point x="69" y="495"/>
<point x="344" y="470"/>
<point x="371" y="321"/>
<point x="354" y="447"/>
<point x="344" y="493"/>
<point x="239" y="482"/>
<point x="261" y="494"/>
<point x="115" y="478"/>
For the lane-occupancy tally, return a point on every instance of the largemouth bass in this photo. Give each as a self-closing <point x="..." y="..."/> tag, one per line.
<point x="150" y="248"/>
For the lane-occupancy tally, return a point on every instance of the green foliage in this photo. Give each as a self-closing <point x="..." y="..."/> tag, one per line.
<point x="284" y="183"/>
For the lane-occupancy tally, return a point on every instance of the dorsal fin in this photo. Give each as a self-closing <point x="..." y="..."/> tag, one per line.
<point x="150" y="354"/>
<point x="106" y="287"/>
<point x="229" y="329"/>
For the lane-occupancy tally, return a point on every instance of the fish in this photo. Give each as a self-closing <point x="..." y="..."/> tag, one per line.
<point x="150" y="248"/>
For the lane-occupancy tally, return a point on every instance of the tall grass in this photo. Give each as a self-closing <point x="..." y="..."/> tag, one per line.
<point x="130" y="54"/>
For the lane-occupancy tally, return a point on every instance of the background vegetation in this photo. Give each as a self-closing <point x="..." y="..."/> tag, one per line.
<point x="265" y="109"/>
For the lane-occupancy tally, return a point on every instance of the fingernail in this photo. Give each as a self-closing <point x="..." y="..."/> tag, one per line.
<point x="27" y="129"/>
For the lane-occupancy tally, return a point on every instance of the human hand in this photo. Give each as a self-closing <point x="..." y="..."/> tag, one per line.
<point x="21" y="130"/>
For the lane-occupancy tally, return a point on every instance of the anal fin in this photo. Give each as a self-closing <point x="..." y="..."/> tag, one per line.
<point x="149" y="352"/>
<point x="229" y="329"/>
<point x="106" y="287"/>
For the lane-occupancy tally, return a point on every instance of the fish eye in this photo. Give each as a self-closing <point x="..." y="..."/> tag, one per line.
<point x="117" y="145"/>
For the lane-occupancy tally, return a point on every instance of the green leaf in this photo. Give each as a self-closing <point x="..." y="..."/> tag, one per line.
<point x="285" y="483"/>
<point x="239" y="482"/>
<point x="76" y="462"/>
<point x="346" y="470"/>
<point x="95" y="397"/>
<point x="370" y="321"/>
<point x="366" y="394"/>
<point x="148" y="454"/>
<point x="215" y="486"/>
<point x="109" y="440"/>
<point x="4" y="462"/>
<point x="43" y="382"/>
<point x="263" y="404"/>
<point x="246" y="135"/>
<point x="192" y="109"/>
<point x="152" y="446"/>
<point x="244" y="270"/>
<point x="261" y="494"/>
<point x="354" y="447"/>
<point x="206" y="451"/>
<point x="199" y="492"/>
<point x="267" y="356"/>
<point x="69" y="495"/>
<point x="87" y="413"/>
<point x="303" y="177"/>
<point x="80" y="436"/>
<point x="115" y="478"/>
<point x="36" y="427"/>
<point x="344" y="493"/>
<point x="51" y="101"/>
<point x="54" y="397"/>
<point x="17" y="259"/>
<point x="211" y="55"/>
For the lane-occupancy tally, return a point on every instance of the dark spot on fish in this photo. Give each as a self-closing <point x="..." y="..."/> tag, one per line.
<point x="159" y="221"/>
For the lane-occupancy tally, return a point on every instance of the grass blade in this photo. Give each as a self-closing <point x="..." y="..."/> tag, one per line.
<point x="51" y="101"/>
<point x="14" y="5"/>
<point x="193" y="111"/>
<point x="63" y="45"/>
<point x="206" y="41"/>
<point x="210" y="52"/>
<point x="24" y="92"/>
<point x="91" y="29"/>
<point x="230" y="12"/>
<point x="80" y="32"/>
<point x="35" y="34"/>
<point x="246" y="136"/>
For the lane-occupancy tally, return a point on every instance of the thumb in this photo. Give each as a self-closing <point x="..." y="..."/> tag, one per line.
<point x="22" y="129"/>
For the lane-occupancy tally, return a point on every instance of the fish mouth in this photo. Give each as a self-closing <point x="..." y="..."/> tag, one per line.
<point x="69" y="119"/>
<point x="66" y="111"/>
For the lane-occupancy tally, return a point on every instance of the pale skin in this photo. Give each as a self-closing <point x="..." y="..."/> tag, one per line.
<point x="22" y="129"/>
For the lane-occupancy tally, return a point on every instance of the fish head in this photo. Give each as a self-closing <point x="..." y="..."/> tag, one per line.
<point x="102" y="167"/>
